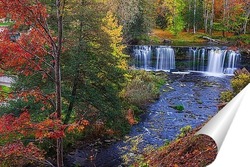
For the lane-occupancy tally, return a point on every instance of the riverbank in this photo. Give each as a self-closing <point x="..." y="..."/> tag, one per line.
<point x="196" y="93"/>
<point x="164" y="37"/>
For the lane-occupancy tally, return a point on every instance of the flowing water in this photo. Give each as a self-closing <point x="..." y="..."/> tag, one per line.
<point x="161" y="58"/>
<point x="165" y="58"/>
<point x="203" y="59"/>
<point x="142" y="55"/>
<point x="197" y="93"/>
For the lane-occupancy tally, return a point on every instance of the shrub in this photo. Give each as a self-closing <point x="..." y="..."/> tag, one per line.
<point x="179" y="107"/>
<point x="184" y="131"/>
<point x="226" y="96"/>
<point x="142" y="88"/>
<point x="239" y="82"/>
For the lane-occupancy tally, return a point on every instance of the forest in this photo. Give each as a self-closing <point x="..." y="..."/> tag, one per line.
<point x="71" y="80"/>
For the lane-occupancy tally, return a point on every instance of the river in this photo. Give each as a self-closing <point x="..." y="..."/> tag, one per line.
<point x="197" y="93"/>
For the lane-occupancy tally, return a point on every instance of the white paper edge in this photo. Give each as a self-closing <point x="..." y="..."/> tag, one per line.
<point x="218" y="127"/>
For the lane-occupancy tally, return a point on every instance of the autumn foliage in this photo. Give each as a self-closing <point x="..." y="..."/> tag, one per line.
<point x="13" y="130"/>
<point x="29" y="47"/>
<point x="17" y="154"/>
<point x="28" y="53"/>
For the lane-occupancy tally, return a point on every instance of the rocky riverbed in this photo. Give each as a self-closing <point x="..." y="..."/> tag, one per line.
<point x="186" y="99"/>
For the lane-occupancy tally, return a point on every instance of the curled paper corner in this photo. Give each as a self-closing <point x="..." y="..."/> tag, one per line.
<point x="229" y="128"/>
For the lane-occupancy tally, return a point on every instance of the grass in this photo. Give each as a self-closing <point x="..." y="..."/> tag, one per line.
<point x="181" y="39"/>
<point x="187" y="38"/>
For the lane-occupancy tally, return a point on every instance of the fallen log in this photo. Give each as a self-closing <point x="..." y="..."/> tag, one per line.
<point x="214" y="40"/>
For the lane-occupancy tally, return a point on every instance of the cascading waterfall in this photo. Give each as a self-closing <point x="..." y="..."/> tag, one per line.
<point x="192" y="52"/>
<point x="214" y="60"/>
<point x="206" y="59"/>
<point x="202" y="59"/>
<point x="222" y="61"/>
<point x="233" y="59"/>
<point x="165" y="58"/>
<point x="142" y="56"/>
<point x="198" y="55"/>
<point x="160" y="58"/>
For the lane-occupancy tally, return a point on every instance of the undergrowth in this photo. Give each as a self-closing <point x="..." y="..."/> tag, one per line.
<point x="143" y="87"/>
<point x="239" y="82"/>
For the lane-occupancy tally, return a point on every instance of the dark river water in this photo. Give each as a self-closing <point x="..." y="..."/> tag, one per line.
<point x="196" y="92"/>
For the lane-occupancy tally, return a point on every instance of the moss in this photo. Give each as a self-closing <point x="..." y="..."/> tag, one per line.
<point x="179" y="107"/>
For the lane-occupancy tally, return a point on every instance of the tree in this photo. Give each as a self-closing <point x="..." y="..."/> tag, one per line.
<point x="231" y="16"/>
<point x="161" y="21"/>
<point x="28" y="54"/>
<point x="194" y="19"/>
<point x="174" y="17"/>
<point x="205" y="15"/>
<point x="111" y="27"/>
<point x="94" y="66"/>
<point x="211" y="18"/>
<point x="136" y="17"/>
<point x="246" y="14"/>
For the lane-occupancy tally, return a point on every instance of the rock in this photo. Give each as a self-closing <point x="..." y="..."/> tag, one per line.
<point x="132" y="154"/>
<point x="242" y="71"/>
<point x="107" y="141"/>
<point x="166" y="41"/>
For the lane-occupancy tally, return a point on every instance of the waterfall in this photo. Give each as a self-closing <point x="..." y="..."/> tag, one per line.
<point x="202" y="59"/>
<point x="223" y="61"/>
<point x="159" y="58"/>
<point x="233" y="60"/>
<point x="165" y="58"/>
<point x="142" y="56"/>
<point x="214" y="60"/>
<point x="198" y="56"/>
<point x="192" y="52"/>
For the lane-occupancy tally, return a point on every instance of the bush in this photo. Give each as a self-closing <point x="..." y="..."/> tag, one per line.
<point x="243" y="37"/>
<point x="239" y="82"/>
<point x="142" y="88"/>
<point x="184" y="131"/>
<point x="226" y="96"/>
<point x="179" y="107"/>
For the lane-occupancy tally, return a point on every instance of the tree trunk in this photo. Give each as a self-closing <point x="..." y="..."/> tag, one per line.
<point x="211" y="18"/>
<point x="225" y="19"/>
<point x="189" y="18"/>
<point x="77" y="74"/>
<point x="194" y="23"/>
<point x="58" y="80"/>
<point x="246" y="21"/>
<point x="73" y="96"/>
<point x="205" y="15"/>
